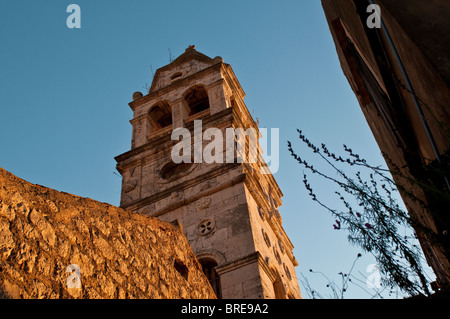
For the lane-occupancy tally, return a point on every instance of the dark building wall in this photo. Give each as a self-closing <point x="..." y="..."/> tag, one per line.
<point x="427" y="24"/>
<point x="419" y="32"/>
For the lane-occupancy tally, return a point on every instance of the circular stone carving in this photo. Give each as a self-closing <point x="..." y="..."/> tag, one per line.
<point x="277" y="255"/>
<point x="172" y="170"/>
<point x="261" y="213"/>
<point x="203" y="202"/>
<point x="205" y="227"/>
<point x="280" y="244"/>
<point x="266" y="238"/>
<point x="286" y="270"/>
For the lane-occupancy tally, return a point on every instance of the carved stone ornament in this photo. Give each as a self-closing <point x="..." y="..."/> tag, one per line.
<point x="205" y="227"/>
<point x="129" y="185"/>
<point x="203" y="202"/>
<point x="177" y="196"/>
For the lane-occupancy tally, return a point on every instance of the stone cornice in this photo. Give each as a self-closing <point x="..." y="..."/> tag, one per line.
<point x="190" y="183"/>
<point x="255" y="257"/>
<point x="162" y="139"/>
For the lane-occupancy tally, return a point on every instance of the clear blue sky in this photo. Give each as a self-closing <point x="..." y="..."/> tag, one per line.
<point x="64" y="95"/>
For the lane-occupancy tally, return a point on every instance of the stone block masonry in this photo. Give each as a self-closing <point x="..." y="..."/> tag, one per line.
<point x="45" y="235"/>
<point x="225" y="207"/>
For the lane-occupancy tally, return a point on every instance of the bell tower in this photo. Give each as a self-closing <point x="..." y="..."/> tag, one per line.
<point x="227" y="210"/>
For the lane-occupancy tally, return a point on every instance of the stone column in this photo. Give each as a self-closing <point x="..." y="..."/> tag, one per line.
<point x="179" y="112"/>
<point x="139" y="133"/>
<point x="218" y="100"/>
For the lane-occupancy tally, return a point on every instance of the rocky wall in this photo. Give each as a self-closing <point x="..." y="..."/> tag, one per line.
<point x="57" y="245"/>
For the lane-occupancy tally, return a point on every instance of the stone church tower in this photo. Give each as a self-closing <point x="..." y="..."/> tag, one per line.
<point x="228" y="211"/>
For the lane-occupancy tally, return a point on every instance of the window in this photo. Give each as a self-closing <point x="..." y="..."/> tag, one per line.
<point x="160" y="116"/>
<point x="278" y="287"/>
<point x="176" y="75"/>
<point x="181" y="268"/>
<point x="286" y="270"/>
<point x="209" y="270"/>
<point x="197" y="100"/>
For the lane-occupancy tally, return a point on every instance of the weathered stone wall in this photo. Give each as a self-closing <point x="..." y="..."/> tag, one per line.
<point x="120" y="254"/>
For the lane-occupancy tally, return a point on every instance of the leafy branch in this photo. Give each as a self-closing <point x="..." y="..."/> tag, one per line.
<point x="371" y="215"/>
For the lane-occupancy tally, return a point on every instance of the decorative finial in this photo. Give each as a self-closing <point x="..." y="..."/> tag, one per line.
<point x="137" y="96"/>
<point x="191" y="47"/>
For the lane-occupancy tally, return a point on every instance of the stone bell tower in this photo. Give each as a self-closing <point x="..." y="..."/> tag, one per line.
<point x="228" y="211"/>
